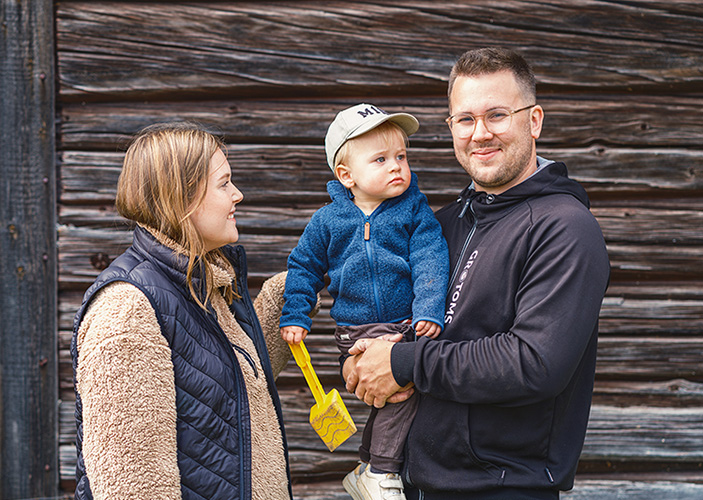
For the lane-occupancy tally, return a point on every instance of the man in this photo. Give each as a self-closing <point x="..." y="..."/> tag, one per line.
<point x="506" y="388"/>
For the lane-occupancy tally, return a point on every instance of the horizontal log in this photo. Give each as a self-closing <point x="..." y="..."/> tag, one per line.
<point x="669" y="393"/>
<point x="650" y="358"/>
<point x="284" y="175"/>
<point x="650" y="316"/>
<point x="145" y="50"/>
<point x="572" y="121"/>
<point x="644" y="434"/>
<point x="647" y="225"/>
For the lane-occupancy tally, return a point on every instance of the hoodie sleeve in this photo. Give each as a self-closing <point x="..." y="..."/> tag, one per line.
<point x="429" y="262"/>
<point x="126" y="383"/>
<point x="307" y="265"/>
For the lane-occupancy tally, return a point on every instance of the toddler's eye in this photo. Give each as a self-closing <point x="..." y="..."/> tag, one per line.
<point x="380" y="159"/>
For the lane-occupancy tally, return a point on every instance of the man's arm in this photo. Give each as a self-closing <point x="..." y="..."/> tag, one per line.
<point x="556" y="316"/>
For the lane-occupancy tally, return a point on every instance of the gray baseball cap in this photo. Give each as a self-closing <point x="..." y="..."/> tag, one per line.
<point x="359" y="119"/>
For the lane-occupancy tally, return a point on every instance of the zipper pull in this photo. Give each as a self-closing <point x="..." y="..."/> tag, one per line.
<point x="367" y="231"/>
<point x="465" y="208"/>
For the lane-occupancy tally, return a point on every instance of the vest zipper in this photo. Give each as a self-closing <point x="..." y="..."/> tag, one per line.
<point x="248" y="357"/>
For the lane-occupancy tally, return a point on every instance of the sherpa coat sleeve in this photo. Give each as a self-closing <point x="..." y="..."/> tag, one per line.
<point x="125" y="366"/>
<point x="268" y="305"/>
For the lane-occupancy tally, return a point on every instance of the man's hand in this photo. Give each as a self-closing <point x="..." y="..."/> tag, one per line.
<point x="368" y="373"/>
<point x="293" y="334"/>
<point x="428" y="329"/>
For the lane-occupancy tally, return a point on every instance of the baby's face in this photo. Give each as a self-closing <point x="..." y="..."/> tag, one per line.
<point x="378" y="167"/>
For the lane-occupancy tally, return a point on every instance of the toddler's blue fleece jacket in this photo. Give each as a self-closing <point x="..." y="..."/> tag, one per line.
<point x="399" y="271"/>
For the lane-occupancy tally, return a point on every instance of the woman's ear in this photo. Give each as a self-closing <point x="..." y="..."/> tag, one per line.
<point x="344" y="175"/>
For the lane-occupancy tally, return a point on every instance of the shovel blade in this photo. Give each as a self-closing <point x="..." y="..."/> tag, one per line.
<point x="332" y="421"/>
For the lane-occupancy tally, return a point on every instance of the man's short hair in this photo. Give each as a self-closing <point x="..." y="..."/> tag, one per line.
<point x="491" y="60"/>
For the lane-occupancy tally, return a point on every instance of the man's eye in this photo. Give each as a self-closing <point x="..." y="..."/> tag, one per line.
<point x="465" y="120"/>
<point x="497" y="115"/>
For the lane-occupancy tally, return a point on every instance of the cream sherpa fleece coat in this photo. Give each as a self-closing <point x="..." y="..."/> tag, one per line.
<point x="126" y="382"/>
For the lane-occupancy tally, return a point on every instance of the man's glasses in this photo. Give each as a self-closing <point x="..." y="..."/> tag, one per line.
<point x="496" y="121"/>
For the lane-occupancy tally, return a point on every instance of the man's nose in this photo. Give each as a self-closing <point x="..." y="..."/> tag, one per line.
<point x="480" y="130"/>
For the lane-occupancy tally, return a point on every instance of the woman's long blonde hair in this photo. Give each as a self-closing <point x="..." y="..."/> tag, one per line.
<point x="163" y="181"/>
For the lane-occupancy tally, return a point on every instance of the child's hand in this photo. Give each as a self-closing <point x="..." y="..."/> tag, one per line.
<point x="427" y="329"/>
<point x="293" y="334"/>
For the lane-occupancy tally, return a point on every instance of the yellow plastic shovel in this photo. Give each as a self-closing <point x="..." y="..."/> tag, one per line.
<point x="329" y="417"/>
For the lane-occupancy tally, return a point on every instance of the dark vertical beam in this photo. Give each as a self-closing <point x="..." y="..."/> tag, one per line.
<point x="28" y="283"/>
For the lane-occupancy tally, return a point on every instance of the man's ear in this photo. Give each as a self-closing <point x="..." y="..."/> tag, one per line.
<point x="344" y="175"/>
<point x="536" y="120"/>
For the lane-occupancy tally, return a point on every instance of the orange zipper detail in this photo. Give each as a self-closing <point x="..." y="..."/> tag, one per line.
<point x="367" y="231"/>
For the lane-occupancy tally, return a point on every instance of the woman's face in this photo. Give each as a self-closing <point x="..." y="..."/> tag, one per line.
<point x="214" y="218"/>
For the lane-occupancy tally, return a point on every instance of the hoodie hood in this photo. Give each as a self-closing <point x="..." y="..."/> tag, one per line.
<point x="552" y="179"/>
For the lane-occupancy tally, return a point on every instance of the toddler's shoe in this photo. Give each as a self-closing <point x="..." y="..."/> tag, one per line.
<point x="362" y="484"/>
<point x="352" y="478"/>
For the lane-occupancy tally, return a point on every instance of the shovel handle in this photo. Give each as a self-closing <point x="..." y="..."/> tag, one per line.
<point x="302" y="358"/>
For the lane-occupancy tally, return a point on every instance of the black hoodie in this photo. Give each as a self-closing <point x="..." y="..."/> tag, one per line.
<point x="506" y="389"/>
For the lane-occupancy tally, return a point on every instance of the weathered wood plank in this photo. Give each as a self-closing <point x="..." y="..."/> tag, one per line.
<point x="311" y="49"/>
<point x="644" y="434"/>
<point x="647" y="225"/>
<point x="670" y="393"/>
<point x="28" y="358"/>
<point x="572" y="121"/>
<point x="623" y="316"/>
<point x="650" y="358"/>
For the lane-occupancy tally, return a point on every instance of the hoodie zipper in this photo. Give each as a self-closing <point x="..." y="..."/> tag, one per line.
<point x="369" y="256"/>
<point x="468" y="205"/>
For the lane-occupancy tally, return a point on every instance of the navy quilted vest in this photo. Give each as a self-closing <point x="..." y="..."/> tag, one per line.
<point x="214" y="448"/>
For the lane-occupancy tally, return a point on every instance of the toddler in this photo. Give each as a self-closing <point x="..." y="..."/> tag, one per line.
<point x="388" y="265"/>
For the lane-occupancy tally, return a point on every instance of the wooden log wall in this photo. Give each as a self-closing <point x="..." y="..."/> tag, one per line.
<point x="621" y="83"/>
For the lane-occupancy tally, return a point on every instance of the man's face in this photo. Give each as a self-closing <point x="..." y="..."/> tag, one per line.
<point x="495" y="162"/>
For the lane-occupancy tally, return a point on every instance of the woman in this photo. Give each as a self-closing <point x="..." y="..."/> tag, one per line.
<point x="175" y="394"/>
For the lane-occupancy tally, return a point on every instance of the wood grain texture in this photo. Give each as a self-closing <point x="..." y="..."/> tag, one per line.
<point x="620" y="82"/>
<point x="28" y="347"/>
<point x="311" y="49"/>
<point x="610" y="119"/>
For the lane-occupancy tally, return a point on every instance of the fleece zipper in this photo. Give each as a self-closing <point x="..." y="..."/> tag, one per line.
<point x="369" y="256"/>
